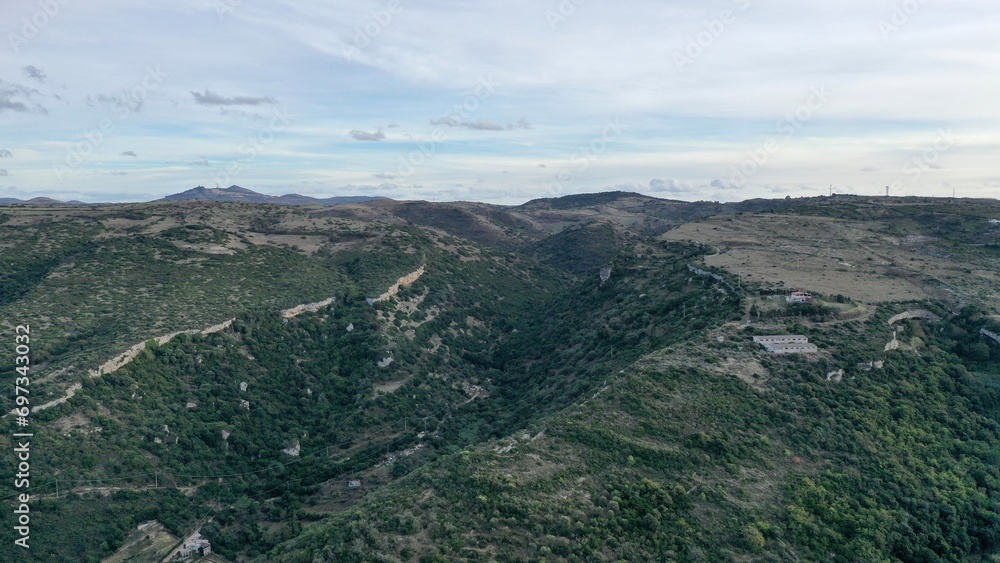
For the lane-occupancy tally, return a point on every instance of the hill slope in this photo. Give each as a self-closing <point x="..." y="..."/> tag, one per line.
<point x="458" y="383"/>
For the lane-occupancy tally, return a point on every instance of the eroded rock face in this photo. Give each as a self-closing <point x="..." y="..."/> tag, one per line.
<point x="394" y="288"/>
<point x="306" y="308"/>
<point x="914" y="314"/>
<point x="989" y="334"/>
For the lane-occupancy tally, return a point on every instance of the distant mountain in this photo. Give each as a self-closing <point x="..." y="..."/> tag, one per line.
<point x="37" y="201"/>
<point x="236" y="193"/>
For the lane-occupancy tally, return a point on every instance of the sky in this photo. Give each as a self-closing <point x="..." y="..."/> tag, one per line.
<point x="499" y="101"/>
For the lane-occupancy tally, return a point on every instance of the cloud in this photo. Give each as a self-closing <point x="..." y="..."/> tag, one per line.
<point x="118" y="173"/>
<point x="482" y="125"/>
<point x="4" y="153"/>
<point x="201" y="162"/>
<point x="724" y="184"/>
<point x="26" y="104"/>
<point x="129" y="153"/>
<point x="384" y="176"/>
<point x="3" y="172"/>
<point x="240" y="113"/>
<point x="521" y="124"/>
<point x="125" y="101"/>
<point x="210" y="98"/>
<point x="540" y="166"/>
<point x="359" y="135"/>
<point x="34" y="73"/>
<point x="870" y="169"/>
<point x="669" y="185"/>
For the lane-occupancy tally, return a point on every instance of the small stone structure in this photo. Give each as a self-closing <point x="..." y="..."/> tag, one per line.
<point x="786" y="344"/>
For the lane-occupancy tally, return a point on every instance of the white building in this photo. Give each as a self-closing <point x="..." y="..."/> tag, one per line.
<point x="799" y="297"/>
<point x="195" y="545"/>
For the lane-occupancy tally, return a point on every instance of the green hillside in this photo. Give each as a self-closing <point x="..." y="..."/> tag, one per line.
<point x="501" y="402"/>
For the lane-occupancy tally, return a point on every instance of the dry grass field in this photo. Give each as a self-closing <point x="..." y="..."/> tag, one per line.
<point x="836" y="256"/>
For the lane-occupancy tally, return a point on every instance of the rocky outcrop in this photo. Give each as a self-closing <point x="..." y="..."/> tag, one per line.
<point x="306" y="308"/>
<point x="69" y="395"/>
<point x="989" y="334"/>
<point x="126" y="357"/>
<point x="394" y="289"/>
<point x="293" y="450"/>
<point x="915" y="314"/>
<point x="713" y="275"/>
